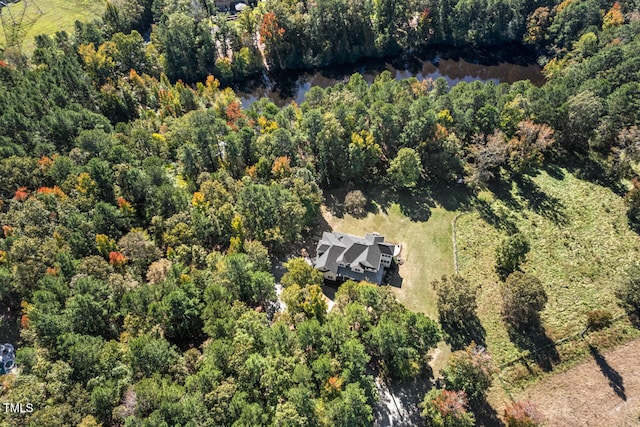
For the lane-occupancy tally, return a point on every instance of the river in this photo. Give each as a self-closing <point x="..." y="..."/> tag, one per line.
<point x="454" y="66"/>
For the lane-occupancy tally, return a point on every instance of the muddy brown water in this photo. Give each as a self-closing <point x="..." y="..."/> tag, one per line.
<point x="455" y="67"/>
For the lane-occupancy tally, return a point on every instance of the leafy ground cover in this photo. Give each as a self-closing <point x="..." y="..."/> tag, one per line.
<point x="51" y="16"/>
<point x="580" y="247"/>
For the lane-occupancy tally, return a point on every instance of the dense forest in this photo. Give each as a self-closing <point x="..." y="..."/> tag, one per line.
<point x="140" y="203"/>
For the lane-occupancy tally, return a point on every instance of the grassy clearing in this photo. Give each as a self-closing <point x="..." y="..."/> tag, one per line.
<point x="56" y="15"/>
<point x="580" y="246"/>
<point x="421" y="225"/>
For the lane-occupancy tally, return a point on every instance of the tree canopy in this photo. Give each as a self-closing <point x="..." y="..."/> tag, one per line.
<point x="141" y="204"/>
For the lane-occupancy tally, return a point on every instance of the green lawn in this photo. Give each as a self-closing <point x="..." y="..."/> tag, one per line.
<point x="580" y="246"/>
<point x="52" y="16"/>
<point x="426" y="240"/>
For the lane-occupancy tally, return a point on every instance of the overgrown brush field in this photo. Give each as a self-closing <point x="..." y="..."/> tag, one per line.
<point x="580" y="247"/>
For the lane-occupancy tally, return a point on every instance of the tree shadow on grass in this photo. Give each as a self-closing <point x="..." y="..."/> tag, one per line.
<point x="540" y="202"/>
<point x="415" y="203"/>
<point x="490" y="216"/>
<point x="554" y="171"/>
<point x="542" y="349"/>
<point x="593" y="170"/>
<point x="461" y="335"/>
<point x="453" y="197"/>
<point x="501" y="188"/>
<point x="486" y="415"/>
<point x="615" y="379"/>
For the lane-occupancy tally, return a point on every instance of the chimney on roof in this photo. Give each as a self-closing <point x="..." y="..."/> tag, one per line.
<point x="374" y="237"/>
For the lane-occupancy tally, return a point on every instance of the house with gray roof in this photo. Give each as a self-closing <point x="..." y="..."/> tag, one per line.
<point x="341" y="256"/>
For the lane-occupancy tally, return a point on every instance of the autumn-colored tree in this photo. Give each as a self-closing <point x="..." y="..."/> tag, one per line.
<point x="236" y="243"/>
<point x="528" y="147"/>
<point x="272" y="36"/>
<point x="7" y="230"/>
<point x="537" y="24"/>
<point x="488" y="155"/>
<point x="234" y="113"/>
<point x="333" y="385"/>
<point x="281" y="168"/>
<point x="21" y="194"/>
<point x="523" y="414"/>
<point x="54" y="191"/>
<point x="105" y="245"/>
<point x="199" y="201"/>
<point x="118" y="260"/>
<point x="446" y="408"/>
<point x="614" y="17"/>
<point x="125" y="206"/>
<point x="158" y="271"/>
<point x="364" y="154"/>
<point x="270" y="29"/>
<point x="85" y="185"/>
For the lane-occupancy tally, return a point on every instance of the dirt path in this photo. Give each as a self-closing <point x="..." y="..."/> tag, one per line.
<point x="605" y="391"/>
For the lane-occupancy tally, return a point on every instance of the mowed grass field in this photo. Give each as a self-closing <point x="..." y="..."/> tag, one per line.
<point x="422" y="226"/>
<point x="52" y="16"/>
<point x="580" y="247"/>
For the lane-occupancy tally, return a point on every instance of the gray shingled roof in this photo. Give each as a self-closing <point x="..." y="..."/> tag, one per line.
<point x="370" y="258"/>
<point x="335" y="248"/>
<point x="353" y="253"/>
<point x="386" y="248"/>
<point x="329" y="260"/>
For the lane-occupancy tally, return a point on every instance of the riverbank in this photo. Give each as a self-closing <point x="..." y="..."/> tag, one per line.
<point x="510" y="64"/>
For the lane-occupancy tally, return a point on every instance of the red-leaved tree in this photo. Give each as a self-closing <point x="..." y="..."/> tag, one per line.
<point x="523" y="414"/>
